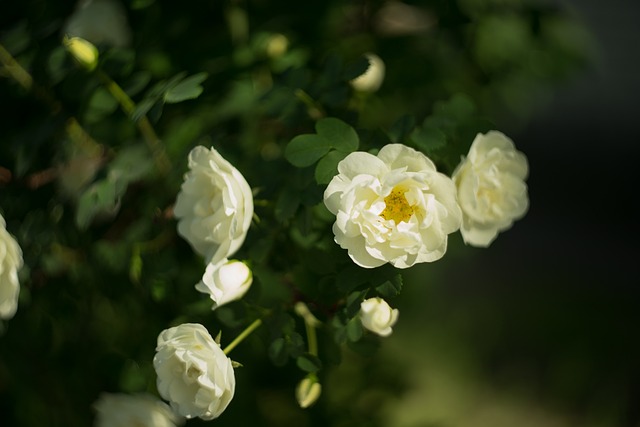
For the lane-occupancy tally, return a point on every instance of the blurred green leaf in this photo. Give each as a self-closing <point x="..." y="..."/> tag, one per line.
<point x="305" y="150"/>
<point x="189" y="88"/>
<point x="390" y="288"/>
<point x="340" y="135"/>
<point x="354" y="329"/>
<point x="309" y="363"/>
<point x="402" y="128"/>
<point x="429" y="139"/>
<point x="327" y="167"/>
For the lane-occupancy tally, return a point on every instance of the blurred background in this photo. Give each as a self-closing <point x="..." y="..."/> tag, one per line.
<point x="539" y="330"/>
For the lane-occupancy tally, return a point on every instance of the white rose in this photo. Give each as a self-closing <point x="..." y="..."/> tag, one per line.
<point x="491" y="188"/>
<point x="394" y="207"/>
<point x="214" y="206"/>
<point x="194" y="374"/>
<point x="10" y="263"/>
<point x="377" y="316"/>
<point x="140" y="410"/>
<point x="225" y="282"/>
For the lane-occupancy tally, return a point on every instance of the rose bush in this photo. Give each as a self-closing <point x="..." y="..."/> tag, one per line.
<point x="225" y="282"/>
<point x="194" y="374"/>
<point x="377" y="316"/>
<point x="491" y="188"/>
<point x="10" y="263"/>
<point x="140" y="410"/>
<point x="394" y="207"/>
<point x="214" y="206"/>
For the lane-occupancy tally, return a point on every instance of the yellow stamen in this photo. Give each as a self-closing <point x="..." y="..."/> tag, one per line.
<point x="397" y="207"/>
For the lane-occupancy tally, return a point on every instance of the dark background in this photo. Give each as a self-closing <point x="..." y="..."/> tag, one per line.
<point x="551" y="310"/>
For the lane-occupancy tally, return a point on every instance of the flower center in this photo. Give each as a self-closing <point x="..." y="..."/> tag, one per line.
<point x="397" y="207"/>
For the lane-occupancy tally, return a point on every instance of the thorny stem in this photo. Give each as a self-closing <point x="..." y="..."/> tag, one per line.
<point x="252" y="327"/>
<point x="144" y="125"/>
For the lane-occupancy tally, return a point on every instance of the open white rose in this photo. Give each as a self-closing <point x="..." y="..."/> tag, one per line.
<point x="394" y="207"/>
<point x="214" y="206"/>
<point x="377" y="316"/>
<point x="140" y="410"/>
<point x="10" y="263"/>
<point x="491" y="188"/>
<point x="194" y="374"/>
<point x="225" y="282"/>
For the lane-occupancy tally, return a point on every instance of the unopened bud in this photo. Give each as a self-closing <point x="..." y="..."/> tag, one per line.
<point x="82" y="51"/>
<point x="370" y="80"/>
<point x="308" y="391"/>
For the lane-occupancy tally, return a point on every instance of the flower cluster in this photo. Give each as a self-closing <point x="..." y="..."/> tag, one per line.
<point x="393" y="207"/>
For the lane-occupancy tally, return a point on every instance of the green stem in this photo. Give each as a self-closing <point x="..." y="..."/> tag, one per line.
<point x="144" y="125"/>
<point x="252" y="327"/>
<point x="14" y="69"/>
<point x="312" y="340"/>
<point x="314" y="109"/>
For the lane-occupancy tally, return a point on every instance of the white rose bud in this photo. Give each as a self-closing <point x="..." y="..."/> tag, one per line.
<point x="140" y="410"/>
<point x="194" y="374"/>
<point x="225" y="282"/>
<point x="491" y="188"/>
<point x="10" y="263"/>
<point x="308" y="391"/>
<point x="214" y="206"/>
<point x="372" y="78"/>
<point x="377" y="316"/>
<point x="394" y="207"/>
<point x="83" y="51"/>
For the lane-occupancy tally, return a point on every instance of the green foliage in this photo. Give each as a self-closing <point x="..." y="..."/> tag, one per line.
<point x="89" y="191"/>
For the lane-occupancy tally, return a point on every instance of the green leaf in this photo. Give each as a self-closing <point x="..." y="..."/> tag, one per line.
<point x="101" y="197"/>
<point x="100" y="105"/>
<point x="287" y="204"/>
<point x="327" y="167"/>
<point x="354" y="329"/>
<point x="188" y="88"/>
<point x="402" y="128"/>
<point x="131" y="164"/>
<point x="353" y="303"/>
<point x="135" y="266"/>
<point x="305" y="150"/>
<point x="351" y="277"/>
<point x="136" y="83"/>
<point x="390" y="288"/>
<point x="309" y="363"/>
<point x="429" y="139"/>
<point x="459" y="107"/>
<point x="278" y="352"/>
<point x="340" y="135"/>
